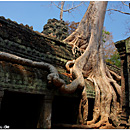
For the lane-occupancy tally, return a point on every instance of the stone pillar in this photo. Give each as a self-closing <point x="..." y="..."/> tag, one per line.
<point x="123" y="81"/>
<point x="121" y="46"/>
<point x="1" y="96"/>
<point x="128" y="66"/>
<point x="46" y="113"/>
<point x="124" y="51"/>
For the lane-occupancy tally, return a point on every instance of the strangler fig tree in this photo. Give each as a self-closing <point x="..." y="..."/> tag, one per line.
<point x="87" y="39"/>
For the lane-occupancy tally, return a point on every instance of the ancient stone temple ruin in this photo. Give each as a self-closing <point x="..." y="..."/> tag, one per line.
<point x="56" y="28"/>
<point x="27" y="99"/>
<point x="123" y="47"/>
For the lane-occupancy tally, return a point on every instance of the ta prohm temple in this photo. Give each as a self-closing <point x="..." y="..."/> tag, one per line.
<point x="27" y="99"/>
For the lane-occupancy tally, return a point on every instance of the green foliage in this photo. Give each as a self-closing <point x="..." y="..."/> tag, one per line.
<point x="115" y="59"/>
<point x="105" y="34"/>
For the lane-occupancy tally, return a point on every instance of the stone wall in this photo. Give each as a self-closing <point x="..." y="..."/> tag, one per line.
<point x="123" y="47"/>
<point x="56" y="28"/>
<point x="24" y="42"/>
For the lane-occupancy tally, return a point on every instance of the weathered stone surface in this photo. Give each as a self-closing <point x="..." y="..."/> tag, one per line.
<point x="56" y="28"/>
<point x="24" y="42"/>
<point x="22" y="78"/>
<point x="123" y="47"/>
<point x="46" y="113"/>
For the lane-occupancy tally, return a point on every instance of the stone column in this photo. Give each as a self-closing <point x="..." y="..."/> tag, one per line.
<point x="124" y="81"/>
<point x="46" y="113"/>
<point x="1" y="96"/>
<point x="121" y="46"/>
<point x="124" y="51"/>
<point x="128" y="65"/>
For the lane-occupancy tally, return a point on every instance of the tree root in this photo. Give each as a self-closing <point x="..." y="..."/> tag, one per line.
<point x="68" y="64"/>
<point x="107" y="104"/>
<point x="117" y="77"/>
<point x="53" y="76"/>
<point x="83" y="107"/>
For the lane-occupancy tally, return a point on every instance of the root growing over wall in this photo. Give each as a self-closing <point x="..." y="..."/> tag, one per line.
<point x="91" y="64"/>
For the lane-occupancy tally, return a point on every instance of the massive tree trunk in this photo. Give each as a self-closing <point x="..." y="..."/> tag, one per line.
<point x="87" y="39"/>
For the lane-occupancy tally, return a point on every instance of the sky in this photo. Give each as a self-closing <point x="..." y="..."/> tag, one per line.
<point x="37" y="13"/>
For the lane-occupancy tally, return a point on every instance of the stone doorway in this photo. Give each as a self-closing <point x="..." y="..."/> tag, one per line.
<point x="64" y="110"/>
<point x="20" y="110"/>
<point x="90" y="108"/>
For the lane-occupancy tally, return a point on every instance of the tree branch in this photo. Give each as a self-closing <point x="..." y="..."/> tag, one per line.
<point x="118" y="11"/>
<point x="56" y="5"/>
<point x="67" y="10"/>
<point x="124" y="3"/>
<point x="73" y="7"/>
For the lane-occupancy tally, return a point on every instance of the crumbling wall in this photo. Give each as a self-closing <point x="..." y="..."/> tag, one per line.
<point x="22" y="41"/>
<point x="123" y="48"/>
<point x="56" y="28"/>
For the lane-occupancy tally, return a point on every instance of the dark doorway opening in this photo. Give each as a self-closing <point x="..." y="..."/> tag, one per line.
<point x="20" y="110"/>
<point x="65" y="110"/>
<point x="90" y="108"/>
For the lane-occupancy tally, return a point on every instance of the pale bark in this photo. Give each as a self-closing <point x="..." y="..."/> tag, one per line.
<point x="91" y="64"/>
<point x="61" y="11"/>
